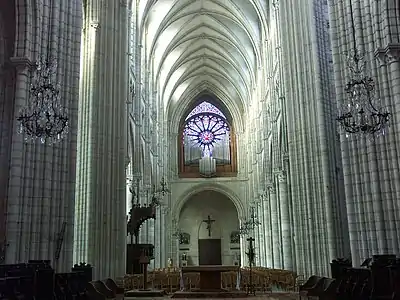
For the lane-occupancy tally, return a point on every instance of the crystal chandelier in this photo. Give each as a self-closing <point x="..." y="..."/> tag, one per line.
<point x="362" y="113"/>
<point x="44" y="119"/>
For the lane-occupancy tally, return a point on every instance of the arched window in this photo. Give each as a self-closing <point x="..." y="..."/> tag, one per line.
<point x="206" y="132"/>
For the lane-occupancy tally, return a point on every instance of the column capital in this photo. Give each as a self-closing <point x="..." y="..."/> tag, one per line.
<point x="282" y="176"/>
<point x="95" y="25"/>
<point x="277" y="170"/>
<point x="285" y="156"/>
<point x="21" y="63"/>
<point x="271" y="188"/>
<point x="389" y="54"/>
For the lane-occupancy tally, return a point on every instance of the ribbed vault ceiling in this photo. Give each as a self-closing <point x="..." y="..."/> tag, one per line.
<point x="204" y="45"/>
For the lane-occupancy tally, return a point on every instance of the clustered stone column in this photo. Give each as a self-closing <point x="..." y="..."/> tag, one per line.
<point x="158" y="231"/>
<point x="100" y="214"/>
<point x="285" y="222"/>
<point x="267" y="231"/>
<point x="261" y="230"/>
<point x="276" y="246"/>
<point x="163" y="242"/>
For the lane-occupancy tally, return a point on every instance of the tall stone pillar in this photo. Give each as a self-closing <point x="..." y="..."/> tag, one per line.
<point x="163" y="239"/>
<point x="261" y="231"/>
<point x="285" y="222"/>
<point x="267" y="232"/>
<point x="157" y="238"/>
<point x="243" y="249"/>
<point x="276" y="241"/>
<point x="100" y="210"/>
<point x="143" y="233"/>
<point x="170" y="229"/>
<point x="257" y="238"/>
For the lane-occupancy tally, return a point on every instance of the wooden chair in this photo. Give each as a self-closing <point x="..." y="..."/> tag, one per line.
<point x="299" y="281"/>
<point x="157" y="280"/>
<point x="137" y="282"/>
<point x="173" y="281"/>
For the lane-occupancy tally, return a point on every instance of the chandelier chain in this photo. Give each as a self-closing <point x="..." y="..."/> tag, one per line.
<point x="362" y="113"/>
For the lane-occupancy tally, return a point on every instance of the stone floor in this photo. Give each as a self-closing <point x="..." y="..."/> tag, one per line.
<point x="269" y="296"/>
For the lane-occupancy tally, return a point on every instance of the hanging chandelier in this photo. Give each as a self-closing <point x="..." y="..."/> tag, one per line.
<point x="361" y="113"/>
<point x="44" y="119"/>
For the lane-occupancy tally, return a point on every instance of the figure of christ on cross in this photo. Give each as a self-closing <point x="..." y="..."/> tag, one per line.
<point x="209" y="222"/>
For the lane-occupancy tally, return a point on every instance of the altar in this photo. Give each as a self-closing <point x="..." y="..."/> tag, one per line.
<point x="210" y="282"/>
<point x="210" y="276"/>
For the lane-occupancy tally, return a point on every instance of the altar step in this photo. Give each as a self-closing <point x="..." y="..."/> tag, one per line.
<point x="148" y="293"/>
<point x="236" y="294"/>
<point x="207" y="294"/>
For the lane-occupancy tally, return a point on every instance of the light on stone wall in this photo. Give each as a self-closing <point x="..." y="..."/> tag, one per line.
<point x="44" y="119"/>
<point x="361" y="113"/>
<point x="176" y="231"/>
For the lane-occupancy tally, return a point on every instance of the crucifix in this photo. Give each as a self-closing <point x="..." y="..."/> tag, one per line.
<point x="209" y="222"/>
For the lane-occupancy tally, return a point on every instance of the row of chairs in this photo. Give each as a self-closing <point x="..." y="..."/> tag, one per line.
<point x="262" y="280"/>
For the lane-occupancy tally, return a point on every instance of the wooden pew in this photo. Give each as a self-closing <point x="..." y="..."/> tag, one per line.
<point x="395" y="279"/>
<point x="36" y="280"/>
<point x="380" y="276"/>
<point x="338" y="267"/>
<point x="70" y="285"/>
<point x="97" y="290"/>
<point x="111" y="285"/>
<point x="310" y="285"/>
<point x="322" y="289"/>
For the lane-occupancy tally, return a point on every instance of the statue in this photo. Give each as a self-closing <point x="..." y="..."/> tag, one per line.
<point x="184" y="257"/>
<point x="236" y="259"/>
<point x="170" y="262"/>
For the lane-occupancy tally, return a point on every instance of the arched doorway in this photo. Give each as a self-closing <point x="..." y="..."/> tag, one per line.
<point x="209" y="226"/>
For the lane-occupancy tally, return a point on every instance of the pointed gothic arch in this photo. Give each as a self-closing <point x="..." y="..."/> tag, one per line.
<point x="214" y="131"/>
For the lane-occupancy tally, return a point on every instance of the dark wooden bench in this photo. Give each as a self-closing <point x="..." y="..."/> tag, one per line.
<point x="310" y="285"/>
<point x="118" y="291"/>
